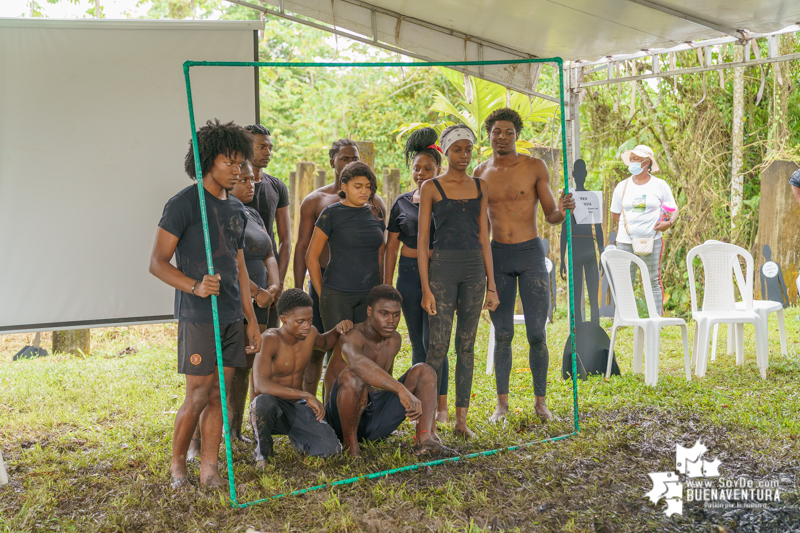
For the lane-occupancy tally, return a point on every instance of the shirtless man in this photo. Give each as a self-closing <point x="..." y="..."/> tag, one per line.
<point x="518" y="183"/>
<point x="280" y="406"/>
<point x="342" y="152"/>
<point x="366" y="402"/>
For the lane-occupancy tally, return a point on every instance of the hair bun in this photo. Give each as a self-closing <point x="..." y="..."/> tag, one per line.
<point x="421" y="139"/>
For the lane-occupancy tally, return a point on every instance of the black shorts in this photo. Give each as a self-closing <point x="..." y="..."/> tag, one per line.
<point x="384" y="413"/>
<point x="197" y="352"/>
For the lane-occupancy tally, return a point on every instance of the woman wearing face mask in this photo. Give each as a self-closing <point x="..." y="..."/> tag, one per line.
<point x="644" y="206"/>
<point x="354" y="230"/>
<point x="461" y="264"/>
<point x="424" y="158"/>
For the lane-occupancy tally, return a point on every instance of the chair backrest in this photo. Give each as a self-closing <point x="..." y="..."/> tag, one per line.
<point x="617" y="264"/>
<point x="720" y="260"/>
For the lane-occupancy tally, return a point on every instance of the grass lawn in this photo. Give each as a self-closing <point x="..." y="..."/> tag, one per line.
<point x="87" y="444"/>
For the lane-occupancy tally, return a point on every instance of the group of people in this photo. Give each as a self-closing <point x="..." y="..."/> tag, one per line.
<point x="464" y="244"/>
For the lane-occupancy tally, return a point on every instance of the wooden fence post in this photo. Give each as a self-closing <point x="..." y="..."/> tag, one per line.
<point x="292" y="207"/>
<point x="366" y="153"/>
<point x="72" y="341"/>
<point x="321" y="180"/>
<point x="391" y="186"/>
<point x="303" y="181"/>
<point x="777" y="225"/>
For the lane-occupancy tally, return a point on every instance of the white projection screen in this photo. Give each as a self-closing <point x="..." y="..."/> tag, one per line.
<point x="94" y="127"/>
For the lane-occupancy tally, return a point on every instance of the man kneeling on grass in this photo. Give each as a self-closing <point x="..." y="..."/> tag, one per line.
<point x="280" y="406"/>
<point x="366" y="402"/>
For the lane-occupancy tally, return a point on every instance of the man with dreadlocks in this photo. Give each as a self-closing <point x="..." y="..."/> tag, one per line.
<point x="518" y="183"/>
<point x="342" y="153"/>
<point x="223" y="149"/>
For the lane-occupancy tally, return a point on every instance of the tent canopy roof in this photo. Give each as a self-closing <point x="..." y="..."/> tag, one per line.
<point x="571" y="29"/>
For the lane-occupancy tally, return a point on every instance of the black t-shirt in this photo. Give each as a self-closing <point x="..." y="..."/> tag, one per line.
<point x="227" y="222"/>
<point x="355" y="237"/>
<point x="270" y="195"/>
<point x="257" y="247"/>
<point x="404" y="220"/>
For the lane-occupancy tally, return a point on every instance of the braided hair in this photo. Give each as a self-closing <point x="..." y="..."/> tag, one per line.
<point x="420" y="142"/>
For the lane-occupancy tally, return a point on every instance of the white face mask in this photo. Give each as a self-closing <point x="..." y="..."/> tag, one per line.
<point x="635" y="168"/>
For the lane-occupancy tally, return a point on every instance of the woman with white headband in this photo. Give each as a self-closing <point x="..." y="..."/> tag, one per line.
<point x="461" y="264"/>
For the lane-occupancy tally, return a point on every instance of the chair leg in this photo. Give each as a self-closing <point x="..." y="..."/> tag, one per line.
<point x="731" y="340"/>
<point x="704" y="331"/>
<point x="694" y="343"/>
<point x="3" y="474"/>
<point x="762" y="349"/>
<point x="782" y="329"/>
<point x="653" y="344"/>
<point x="739" y="328"/>
<point x="686" y="364"/>
<point x="611" y="350"/>
<point x="638" y="349"/>
<point x="714" y="342"/>
<point x="490" y="352"/>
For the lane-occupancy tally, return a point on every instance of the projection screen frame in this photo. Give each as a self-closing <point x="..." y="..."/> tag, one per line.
<point x="59" y="24"/>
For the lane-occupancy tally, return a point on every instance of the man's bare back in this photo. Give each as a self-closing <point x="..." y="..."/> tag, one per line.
<point x="516" y="183"/>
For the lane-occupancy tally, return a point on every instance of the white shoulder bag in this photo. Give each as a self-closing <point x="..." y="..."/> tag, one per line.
<point x="641" y="245"/>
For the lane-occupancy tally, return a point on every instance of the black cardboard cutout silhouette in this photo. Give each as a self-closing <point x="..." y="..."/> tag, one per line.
<point x="773" y="287"/>
<point x="591" y="340"/>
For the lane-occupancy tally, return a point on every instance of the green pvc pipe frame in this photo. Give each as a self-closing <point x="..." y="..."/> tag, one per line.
<point x="229" y="455"/>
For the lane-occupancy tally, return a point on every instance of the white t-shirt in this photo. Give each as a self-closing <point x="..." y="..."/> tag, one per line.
<point x="642" y="205"/>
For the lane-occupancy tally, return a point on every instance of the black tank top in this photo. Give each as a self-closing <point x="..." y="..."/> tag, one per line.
<point x="457" y="221"/>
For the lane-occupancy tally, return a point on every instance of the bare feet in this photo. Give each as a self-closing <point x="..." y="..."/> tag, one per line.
<point x="463" y="431"/>
<point x="194" y="449"/>
<point x="209" y="476"/>
<point x="499" y="413"/>
<point x="441" y="409"/>
<point x="541" y="409"/>
<point x="261" y="464"/>
<point x="502" y="408"/>
<point x="434" y="448"/>
<point x="179" y="483"/>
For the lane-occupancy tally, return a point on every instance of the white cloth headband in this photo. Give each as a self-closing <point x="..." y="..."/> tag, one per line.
<point x="456" y="134"/>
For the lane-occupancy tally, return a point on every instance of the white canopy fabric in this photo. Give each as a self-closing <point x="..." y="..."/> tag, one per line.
<point x="468" y="30"/>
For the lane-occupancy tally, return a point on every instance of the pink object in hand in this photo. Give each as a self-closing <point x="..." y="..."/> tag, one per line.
<point x="667" y="208"/>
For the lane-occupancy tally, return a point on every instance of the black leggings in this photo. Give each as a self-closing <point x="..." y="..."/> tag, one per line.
<point x="335" y="306"/>
<point x="410" y="288"/>
<point x="457" y="279"/>
<point x="523" y="262"/>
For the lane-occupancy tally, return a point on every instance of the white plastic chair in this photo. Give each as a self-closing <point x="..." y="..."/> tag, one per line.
<point x="719" y="304"/>
<point x="763" y="308"/>
<point x="617" y="263"/>
<point x="3" y="475"/>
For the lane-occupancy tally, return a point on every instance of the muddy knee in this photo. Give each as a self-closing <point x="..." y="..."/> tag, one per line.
<point x="502" y="339"/>
<point x="422" y="372"/>
<point x="350" y="383"/>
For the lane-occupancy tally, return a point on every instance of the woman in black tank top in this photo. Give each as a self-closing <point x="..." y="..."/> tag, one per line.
<point x="460" y="266"/>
